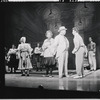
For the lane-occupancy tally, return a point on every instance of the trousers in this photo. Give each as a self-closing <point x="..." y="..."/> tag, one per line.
<point x="79" y="61"/>
<point x="92" y="60"/>
<point x="62" y="63"/>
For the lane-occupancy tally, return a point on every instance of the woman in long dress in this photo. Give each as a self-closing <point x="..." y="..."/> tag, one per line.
<point x="24" y="50"/>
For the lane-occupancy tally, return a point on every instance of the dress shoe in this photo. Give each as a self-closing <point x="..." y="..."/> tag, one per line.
<point x="50" y="76"/>
<point x="91" y="69"/>
<point x="45" y="75"/>
<point x="60" y="76"/>
<point x="66" y="75"/>
<point x="78" y="77"/>
<point x="23" y="75"/>
<point x="27" y="74"/>
<point x="73" y="76"/>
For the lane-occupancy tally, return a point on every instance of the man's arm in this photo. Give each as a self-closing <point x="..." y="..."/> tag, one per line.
<point x="76" y="46"/>
<point x="67" y="43"/>
<point x="88" y="47"/>
<point x="94" y="50"/>
<point x="44" y="47"/>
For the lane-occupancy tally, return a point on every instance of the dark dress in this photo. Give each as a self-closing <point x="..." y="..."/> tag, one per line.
<point x="13" y="62"/>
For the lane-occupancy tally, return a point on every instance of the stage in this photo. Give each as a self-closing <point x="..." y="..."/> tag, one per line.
<point x="90" y="82"/>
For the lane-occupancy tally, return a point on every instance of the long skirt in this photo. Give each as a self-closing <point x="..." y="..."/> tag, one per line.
<point x="24" y="61"/>
<point x="12" y="62"/>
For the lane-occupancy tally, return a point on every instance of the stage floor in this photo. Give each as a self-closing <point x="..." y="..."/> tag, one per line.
<point x="91" y="82"/>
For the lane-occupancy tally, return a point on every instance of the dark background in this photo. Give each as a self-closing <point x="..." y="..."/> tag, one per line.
<point x="27" y="19"/>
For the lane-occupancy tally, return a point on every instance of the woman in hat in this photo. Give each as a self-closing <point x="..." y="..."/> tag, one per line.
<point x="49" y="61"/>
<point x="24" y="50"/>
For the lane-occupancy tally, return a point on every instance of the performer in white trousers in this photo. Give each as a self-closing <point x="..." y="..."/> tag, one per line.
<point x="61" y="45"/>
<point x="91" y="54"/>
<point x="79" y="51"/>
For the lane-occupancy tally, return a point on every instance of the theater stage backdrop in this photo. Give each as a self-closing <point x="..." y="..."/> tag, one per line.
<point x="32" y="20"/>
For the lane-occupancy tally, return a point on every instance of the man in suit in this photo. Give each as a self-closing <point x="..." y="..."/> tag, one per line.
<point x="91" y="54"/>
<point x="61" y="45"/>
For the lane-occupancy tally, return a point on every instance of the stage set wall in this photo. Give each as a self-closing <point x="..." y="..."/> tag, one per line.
<point x="26" y="20"/>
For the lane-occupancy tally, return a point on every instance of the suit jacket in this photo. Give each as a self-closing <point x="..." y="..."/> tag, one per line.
<point x="61" y="44"/>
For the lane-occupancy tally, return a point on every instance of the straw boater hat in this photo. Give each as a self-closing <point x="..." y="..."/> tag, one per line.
<point x="23" y="39"/>
<point x="62" y="28"/>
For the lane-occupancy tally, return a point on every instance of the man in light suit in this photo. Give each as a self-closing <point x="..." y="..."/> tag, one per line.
<point x="79" y="51"/>
<point x="61" y="44"/>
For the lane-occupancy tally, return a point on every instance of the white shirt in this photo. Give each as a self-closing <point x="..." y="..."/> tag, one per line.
<point x="12" y="51"/>
<point x="37" y="50"/>
<point x="46" y="50"/>
<point x="78" y="42"/>
<point x="25" y="47"/>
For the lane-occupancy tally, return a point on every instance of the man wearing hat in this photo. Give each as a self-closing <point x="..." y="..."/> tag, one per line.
<point x="61" y="45"/>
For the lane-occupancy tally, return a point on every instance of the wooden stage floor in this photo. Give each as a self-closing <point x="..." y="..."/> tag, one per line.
<point x="91" y="82"/>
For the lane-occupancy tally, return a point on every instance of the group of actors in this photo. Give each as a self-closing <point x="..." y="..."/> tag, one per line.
<point x="56" y="51"/>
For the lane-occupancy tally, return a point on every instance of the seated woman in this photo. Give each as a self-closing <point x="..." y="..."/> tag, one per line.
<point x="24" y="50"/>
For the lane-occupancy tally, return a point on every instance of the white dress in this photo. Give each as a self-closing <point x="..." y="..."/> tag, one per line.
<point x="24" y="56"/>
